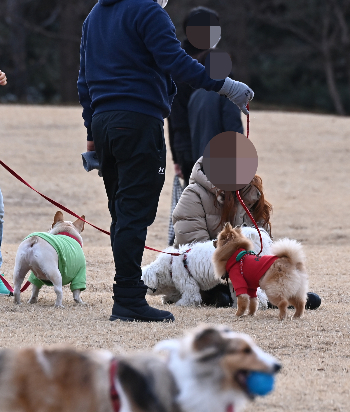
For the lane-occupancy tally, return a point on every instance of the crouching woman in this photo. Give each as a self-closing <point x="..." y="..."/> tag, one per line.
<point x="203" y="209"/>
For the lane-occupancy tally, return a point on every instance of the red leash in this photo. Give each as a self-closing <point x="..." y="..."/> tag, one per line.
<point x="18" y="177"/>
<point x="10" y="288"/>
<point x="241" y="201"/>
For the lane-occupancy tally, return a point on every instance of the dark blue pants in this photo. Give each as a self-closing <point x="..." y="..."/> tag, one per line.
<point x="131" y="150"/>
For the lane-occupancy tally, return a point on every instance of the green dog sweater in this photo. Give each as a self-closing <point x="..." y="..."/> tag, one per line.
<point x="71" y="261"/>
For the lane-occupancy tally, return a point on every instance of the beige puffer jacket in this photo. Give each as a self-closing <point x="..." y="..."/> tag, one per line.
<point x="195" y="217"/>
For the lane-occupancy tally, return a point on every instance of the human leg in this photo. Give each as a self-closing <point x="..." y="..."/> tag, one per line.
<point x="131" y="151"/>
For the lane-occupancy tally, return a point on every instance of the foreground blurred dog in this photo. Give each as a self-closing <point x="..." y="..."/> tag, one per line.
<point x="62" y="379"/>
<point x="56" y="263"/>
<point x="211" y="366"/>
<point x="282" y="276"/>
<point x="169" y="276"/>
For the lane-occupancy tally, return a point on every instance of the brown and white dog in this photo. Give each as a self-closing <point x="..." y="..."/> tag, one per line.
<point x="282" y="275"/>
<point x="211" y="365"/>
<point x="62" y="379"/>
<point x="36" y="254"/>
<point x="205" y="371"/>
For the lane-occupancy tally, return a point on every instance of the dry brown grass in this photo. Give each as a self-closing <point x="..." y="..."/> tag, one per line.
<point x="304" y="162"/>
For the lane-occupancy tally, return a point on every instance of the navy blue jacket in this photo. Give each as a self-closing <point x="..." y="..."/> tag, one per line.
<point x="208" y="115"/>
<point x="129" y="54"/>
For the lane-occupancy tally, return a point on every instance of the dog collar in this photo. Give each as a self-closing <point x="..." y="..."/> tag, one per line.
<point x="244" y="252"/>
<point x="113" y="390"/>
<point x="73" y="237"/>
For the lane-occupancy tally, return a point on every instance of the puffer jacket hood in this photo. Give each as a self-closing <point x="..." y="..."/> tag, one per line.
<point x="198" y="176"/>
<point x="197" y="215"/>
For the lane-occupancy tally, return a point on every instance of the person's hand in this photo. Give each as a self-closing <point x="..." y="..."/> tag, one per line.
<point x="239" y="93"/>
<point x="3" y="79"/>
<point x="90" y="146"/>
<point x="178" y="171"/>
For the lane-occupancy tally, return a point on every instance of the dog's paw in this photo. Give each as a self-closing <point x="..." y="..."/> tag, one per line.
<point x="79" y="302"/>
<point x="57" y="306"/>
<point x="33" y="300"/>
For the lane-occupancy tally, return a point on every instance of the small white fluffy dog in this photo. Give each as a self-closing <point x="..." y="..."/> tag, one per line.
<point x="168" y="276"/>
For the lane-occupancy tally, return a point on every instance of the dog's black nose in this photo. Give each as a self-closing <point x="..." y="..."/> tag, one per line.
<point x="276" y="367"/>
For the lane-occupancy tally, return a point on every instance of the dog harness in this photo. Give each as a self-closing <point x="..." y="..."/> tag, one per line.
<point x="71" y="260"/>
<point x="184" y="262"/>
<point x="113" y="388"/>
<point x="245" y="270"/>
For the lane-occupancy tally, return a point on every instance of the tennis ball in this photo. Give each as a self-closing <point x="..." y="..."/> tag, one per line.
<point x="260" y="383"/>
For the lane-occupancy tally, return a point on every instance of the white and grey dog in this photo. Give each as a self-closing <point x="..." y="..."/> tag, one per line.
<point x="181" y="278"/>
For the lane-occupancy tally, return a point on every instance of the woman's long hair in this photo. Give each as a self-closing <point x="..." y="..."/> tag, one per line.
<point x="261" y="210"/>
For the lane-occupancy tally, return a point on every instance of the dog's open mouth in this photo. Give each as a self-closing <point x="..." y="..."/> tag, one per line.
<point x="241" y="378"/>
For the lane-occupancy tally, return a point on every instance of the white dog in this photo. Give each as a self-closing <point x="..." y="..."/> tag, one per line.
<point x="55" y="258"/>
<point x="181" y="278"/>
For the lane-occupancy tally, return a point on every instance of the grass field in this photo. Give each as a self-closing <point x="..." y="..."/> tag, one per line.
<point x="304" y="163"/>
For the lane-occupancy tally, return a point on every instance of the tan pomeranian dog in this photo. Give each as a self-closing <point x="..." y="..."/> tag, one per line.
<point x="282" y="274"/>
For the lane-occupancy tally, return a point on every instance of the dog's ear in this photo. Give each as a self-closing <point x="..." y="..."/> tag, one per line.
<point x="58" y="218"/>
<point x="79" y="224"/>
<point x="227" y="227"/>
<point x="208" y="343"/>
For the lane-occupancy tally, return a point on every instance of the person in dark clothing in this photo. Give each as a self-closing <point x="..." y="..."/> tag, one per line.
<point x="128" y="55"/>
<point x="210" y="114"/>
<point x="178" y="126"/>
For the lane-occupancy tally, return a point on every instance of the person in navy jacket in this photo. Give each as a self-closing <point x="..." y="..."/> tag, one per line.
<point x="129" y="56"/>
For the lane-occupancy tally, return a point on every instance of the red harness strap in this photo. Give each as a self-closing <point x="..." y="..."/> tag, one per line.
<point x="113" y="390"/>
<point x="73" y="237"/>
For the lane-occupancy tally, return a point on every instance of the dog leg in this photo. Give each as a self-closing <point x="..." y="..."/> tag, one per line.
<point x="253" y="306"/>
<point x="35" y="294"/>
<point x="76" y="296"/>
<point x="282" y="306"/>
<point x="19" y="273"/>
<point x="56" y="278"/>
<point x="242" y="304"/>
<point x="299" y="305"/>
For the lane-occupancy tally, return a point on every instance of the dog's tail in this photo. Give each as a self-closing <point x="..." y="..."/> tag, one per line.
<point x="291" y="249"/>
<point x="33" y="240"/>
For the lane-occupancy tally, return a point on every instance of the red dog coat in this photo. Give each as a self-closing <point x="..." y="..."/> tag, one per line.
<point x="254" y="268"/>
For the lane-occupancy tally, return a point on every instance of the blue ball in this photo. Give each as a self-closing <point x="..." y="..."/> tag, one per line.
<point x="260" y="383"/>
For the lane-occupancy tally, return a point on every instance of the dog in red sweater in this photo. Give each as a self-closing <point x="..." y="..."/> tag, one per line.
<point x="282" y="275"/>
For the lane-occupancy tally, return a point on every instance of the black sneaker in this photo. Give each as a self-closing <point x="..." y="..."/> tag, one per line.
<point x="313" y="302"/>
<point x="130" y="305"/>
